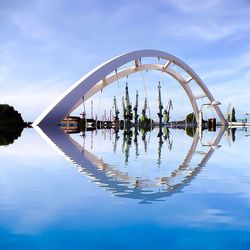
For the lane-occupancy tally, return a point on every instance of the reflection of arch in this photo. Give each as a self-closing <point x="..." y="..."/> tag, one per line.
<point x="116" y="181"/>
<point x="102" y="75"/>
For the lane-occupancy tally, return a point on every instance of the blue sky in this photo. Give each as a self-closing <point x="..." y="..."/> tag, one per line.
<point x="48" y="45"/>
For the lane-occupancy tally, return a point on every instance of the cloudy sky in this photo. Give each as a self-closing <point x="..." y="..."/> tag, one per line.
<point x="45" y="46"/>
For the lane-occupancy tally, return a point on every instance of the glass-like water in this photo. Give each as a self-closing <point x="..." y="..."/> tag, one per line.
<point x="107" y="190"/>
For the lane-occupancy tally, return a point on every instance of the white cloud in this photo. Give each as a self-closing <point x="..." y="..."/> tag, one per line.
<point x="193" y="5"/>
<point x="80" y="39"/>
<point x="205" y="20"/>
<point x="31" y="100"/>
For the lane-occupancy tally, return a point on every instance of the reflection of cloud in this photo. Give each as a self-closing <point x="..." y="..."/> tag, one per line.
<point x="213" y="216"/>
<point x="18" y="150"/>
<point x="34" y="200"/>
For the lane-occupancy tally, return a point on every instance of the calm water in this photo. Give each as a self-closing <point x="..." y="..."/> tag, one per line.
<point x="104" y="190"/>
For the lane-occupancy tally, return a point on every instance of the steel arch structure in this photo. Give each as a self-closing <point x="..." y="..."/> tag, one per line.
<point x="108" y="72"/>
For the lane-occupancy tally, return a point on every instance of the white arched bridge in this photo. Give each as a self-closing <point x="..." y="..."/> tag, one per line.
<point x="109" y="72"/>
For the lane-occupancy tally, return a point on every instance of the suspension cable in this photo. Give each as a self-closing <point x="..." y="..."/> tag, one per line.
<point x="99" y="105"/>
<point x="119" y="88"/>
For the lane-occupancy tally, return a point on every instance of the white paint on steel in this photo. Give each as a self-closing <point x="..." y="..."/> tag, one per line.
<point x="102" y="75"/>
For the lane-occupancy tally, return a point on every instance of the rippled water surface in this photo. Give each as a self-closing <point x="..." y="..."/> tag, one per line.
<point x="106" y="190"/>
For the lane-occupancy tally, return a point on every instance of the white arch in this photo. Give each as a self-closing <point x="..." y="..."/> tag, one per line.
<point x="102" y="75"/>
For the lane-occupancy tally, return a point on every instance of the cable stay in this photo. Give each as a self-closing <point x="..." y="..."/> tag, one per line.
<point x="119" y="87"/>
<point x="146" y="95"/>
<point x="99" y="104"/>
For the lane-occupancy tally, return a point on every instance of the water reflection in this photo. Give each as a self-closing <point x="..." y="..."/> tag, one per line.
<point x="121" y="183"/>
<point x="8" y="134"/>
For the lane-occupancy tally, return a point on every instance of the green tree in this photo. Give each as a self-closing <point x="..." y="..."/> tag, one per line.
<point x="233" y="118"/>
<point x="11" y="124"/>
<point x="190" y="118"/>
<point x="9" y="116"/>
